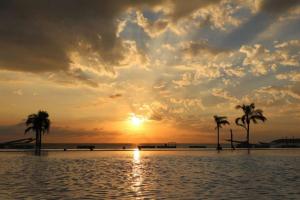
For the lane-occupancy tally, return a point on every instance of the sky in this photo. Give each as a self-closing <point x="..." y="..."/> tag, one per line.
<point x="149" y="71"/>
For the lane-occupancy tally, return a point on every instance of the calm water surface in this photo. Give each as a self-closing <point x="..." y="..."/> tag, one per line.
<point x="262" y="174"/>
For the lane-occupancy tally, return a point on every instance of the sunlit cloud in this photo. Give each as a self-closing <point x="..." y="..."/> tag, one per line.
<point x="164" y="67"/>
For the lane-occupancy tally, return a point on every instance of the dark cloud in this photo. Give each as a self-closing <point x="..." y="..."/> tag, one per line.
<point x="38" y="35"/>
<point x="268" y="13"/>
<point x="184" y="8"/>
<point x="114" y="96"/>
<point x="277" y="6"/>
<point x="80" y="75"/>
<point x="200" y="48"/>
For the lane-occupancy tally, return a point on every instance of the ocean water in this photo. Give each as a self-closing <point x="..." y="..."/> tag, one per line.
<point x="202" y="174"/>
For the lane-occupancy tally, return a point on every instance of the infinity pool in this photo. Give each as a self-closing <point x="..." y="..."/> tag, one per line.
<point x="261" y="174"/>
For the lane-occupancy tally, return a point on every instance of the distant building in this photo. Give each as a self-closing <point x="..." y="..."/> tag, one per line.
<point x="285" y="143"/>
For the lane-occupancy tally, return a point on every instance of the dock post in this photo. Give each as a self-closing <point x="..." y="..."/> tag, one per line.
<point x="231" y="140"/>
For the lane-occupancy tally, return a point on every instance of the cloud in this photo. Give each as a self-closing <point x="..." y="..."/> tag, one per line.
<point x="186" y="80"/>
<point x="279" y="92"/>
<point x="288" y="52"/>
<point x="262" y="60"/>
<point x="153" y="29"/>
<point x="199" y="48"/>
<point x="114" y="96"/>
<point x="291" y="76"/>
<point x="18" y="92"/>
<point x="218" y="92"/>
<point x="38" y="36"/>
<point x="82" y="76"/>
<point x="276" y="6"/>
<point x="222" y="16"/>
<point x="268" y="13"/>
<point x="174" y="109"/>
<point x="181" y="9"/>
<point x="259" y="59"/>
<point x="279" y="97"/>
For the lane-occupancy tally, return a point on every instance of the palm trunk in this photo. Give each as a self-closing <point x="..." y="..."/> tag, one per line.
<point x="248" y="131"/>
<point x="218" y="147"/>
<point x="36" y="143"/>
<point x="40" y="142"/>
<point x="248" y="122"/>
<point x="231" y="139"/>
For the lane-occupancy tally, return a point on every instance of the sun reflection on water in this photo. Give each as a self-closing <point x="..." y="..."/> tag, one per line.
<point x="136" y="156"/>
<point x="137" y="173"/>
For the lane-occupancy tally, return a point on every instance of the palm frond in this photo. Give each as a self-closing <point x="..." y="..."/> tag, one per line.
<point x="259" y="117"/>
<point x="221" y="118"/>
<point x="254" y="120"/>
<point x="240" y="122"/>
<point x="243" y="119"/>
<point x="38" y="122"/>
<point x="238" y="107"/>
<point x="28" y="129"/>
<point x="31" y="119"/>
<point x="224" y="122"/>
<point x="259" y="111"/>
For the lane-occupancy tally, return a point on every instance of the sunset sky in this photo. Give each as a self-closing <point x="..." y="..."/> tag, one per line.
<point x="149" y="71"/>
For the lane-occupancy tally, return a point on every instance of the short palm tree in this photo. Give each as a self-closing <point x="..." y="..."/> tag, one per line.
<point x="39" y="124"/>
<point x="219" y="122"/>
<point x="250" y="114"/>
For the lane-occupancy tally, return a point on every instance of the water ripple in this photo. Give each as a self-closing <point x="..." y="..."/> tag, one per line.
<point x="151" y="175"/>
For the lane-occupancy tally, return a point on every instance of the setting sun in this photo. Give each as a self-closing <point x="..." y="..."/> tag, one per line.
<point x="136" y="120"/>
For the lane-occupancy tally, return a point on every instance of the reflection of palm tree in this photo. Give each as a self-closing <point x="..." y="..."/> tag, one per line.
<point x="250" y="114"/>
<point x="40" y="124"/>
<point x="220" y="121"/>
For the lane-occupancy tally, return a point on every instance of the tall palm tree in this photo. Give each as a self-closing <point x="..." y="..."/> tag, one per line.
<point x="250" y="114"/>
<point x="219" y="122"/>
<point x="40" y="124"/>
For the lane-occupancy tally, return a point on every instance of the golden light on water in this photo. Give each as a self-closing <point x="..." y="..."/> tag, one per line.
<point x="137" y="173"/>
<point x="136" y="156"/>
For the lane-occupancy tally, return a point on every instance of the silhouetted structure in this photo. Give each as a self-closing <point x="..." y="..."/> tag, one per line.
<point x="220" y="121"/>
<point x="40" y="124"/>
<point x="286" y="143"/>
<point x="169" y="145"/>
<point x="140" y="147"/>
<point x="197" y="146"/>
<point x="250" y="114"/>
<point x="18" y="144"/>
<point x="90" y="147"/>
<point x="231" y="140"/>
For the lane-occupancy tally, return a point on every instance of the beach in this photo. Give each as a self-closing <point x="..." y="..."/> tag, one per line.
<point x="133" y="174"/>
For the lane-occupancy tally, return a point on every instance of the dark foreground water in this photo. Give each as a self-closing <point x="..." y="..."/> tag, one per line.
<point x="204" y="174"/>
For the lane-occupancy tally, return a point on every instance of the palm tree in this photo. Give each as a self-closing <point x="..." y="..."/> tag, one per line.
<point x="250" y="114"/>
<point x="40" y="124"/>
<point x="220" y="121"/>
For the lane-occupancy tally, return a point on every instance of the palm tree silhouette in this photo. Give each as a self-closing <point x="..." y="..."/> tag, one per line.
<point x="220" y="121"/>
<point x="250" y="114"/>
<point x="40" y="124"/>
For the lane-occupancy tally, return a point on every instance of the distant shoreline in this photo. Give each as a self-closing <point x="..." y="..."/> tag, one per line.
<point x="157" y="149"/>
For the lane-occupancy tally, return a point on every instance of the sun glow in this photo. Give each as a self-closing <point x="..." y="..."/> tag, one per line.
<point x="136" y="120"/>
